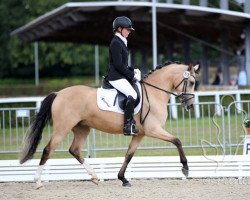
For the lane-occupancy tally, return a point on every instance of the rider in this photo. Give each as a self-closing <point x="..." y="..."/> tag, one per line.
<point x="120" y="75"/>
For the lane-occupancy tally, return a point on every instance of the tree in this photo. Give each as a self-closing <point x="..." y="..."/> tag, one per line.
<point x="56" y="59"/>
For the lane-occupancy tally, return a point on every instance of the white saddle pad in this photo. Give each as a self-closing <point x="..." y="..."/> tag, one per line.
<point x="106" y="98"/>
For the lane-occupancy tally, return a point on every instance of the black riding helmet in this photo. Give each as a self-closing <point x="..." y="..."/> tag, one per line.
<point x="123" y="22"/>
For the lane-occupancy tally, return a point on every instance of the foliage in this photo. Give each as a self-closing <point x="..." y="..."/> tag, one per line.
<point x="247" y="123"/>
<point x="56" y="59"/>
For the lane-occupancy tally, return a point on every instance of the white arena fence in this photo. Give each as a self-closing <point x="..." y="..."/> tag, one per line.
<point x="139" y="167"/>
<point x="215" y="127"/>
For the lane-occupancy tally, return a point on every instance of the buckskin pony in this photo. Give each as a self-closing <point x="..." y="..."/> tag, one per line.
<point x="75" y="109"/>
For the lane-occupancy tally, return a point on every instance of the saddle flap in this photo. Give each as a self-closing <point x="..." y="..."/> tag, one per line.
<point x="111" y="100"/>
<point x="107" y="96"/>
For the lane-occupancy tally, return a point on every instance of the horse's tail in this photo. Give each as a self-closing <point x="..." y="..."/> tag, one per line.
<point x="34" y="134"/>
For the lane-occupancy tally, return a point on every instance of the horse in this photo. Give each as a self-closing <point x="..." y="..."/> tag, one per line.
<point x="75" y="109"/>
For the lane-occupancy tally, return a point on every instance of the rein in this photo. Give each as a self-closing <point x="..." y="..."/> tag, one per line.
<point x="143" y="82"/>
<point x="181" y="96"/>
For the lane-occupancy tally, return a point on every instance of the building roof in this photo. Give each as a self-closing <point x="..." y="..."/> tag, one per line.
<point x="91" y="22"/>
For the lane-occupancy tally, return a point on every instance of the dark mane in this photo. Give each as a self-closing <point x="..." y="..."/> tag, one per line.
<point x="167" y="63"/>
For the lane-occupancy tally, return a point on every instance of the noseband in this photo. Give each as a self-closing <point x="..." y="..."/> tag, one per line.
<point x="183" y="96"/>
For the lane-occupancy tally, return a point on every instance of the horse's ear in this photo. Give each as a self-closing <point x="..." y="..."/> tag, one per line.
<point x="190" y="66"/>
<point x="197" y="68"/>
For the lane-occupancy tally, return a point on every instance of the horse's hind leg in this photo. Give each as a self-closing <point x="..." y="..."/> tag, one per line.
<point x="47" y="152"/>
<point x="131" y="150"/>
<point x="80" y="134"/>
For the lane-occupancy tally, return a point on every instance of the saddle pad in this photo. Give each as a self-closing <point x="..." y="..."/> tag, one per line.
<point x="106" y="98"/>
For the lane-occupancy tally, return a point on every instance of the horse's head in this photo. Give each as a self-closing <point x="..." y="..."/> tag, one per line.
<point x="179" y="77"/>
<point x="184" y="85"/>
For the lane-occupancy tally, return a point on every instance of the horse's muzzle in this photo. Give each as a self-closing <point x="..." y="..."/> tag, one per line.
<point x="190" y="106"/>
<point x="187" y="101"/>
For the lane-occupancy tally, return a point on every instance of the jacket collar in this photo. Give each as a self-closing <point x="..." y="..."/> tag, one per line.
<point x="122" y="38"/>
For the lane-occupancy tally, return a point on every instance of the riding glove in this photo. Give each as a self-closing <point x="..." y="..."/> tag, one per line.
<point x="137" y="75"/>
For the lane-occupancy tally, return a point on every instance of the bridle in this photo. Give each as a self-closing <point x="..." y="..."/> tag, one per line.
<point x="183" y="96"/>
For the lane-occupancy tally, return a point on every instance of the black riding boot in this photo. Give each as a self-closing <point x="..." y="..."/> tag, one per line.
<point x="129" y="123"/>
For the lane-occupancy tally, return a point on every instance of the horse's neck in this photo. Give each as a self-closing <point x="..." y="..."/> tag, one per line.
<point x="162" y="79"/>
<point x="158" y="99"/>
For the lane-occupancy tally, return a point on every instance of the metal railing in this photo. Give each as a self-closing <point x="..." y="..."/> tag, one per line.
<point x="236" y="131"/>
<point x="210" y="130"/>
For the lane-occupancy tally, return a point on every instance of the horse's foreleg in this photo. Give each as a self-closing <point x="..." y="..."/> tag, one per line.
<point x="183" y="159"/>
<point x="131" y="150"/>
<point x="80" y="134"/>
<point x="164" y="135"/>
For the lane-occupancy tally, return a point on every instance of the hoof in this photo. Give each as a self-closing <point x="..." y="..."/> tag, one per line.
<point x="95" y="180"/>
<point x="39" y="186"/>
<point x="127" y="184"/>
<point x="185" y="172"/>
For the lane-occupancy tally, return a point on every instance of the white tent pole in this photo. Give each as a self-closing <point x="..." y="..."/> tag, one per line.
<point x="154" y="35"/>
<point x="96" y="65"/>
<point x="36" y="63"/>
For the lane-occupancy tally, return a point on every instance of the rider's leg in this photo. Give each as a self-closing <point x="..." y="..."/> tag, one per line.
<point x="125" y="87"/>
<point x="129" y="125"/>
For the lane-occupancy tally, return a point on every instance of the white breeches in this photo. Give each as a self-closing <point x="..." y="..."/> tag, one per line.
<point x="124" y="87"/>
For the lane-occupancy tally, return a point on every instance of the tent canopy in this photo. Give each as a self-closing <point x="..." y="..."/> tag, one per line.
<point x="91" y="22"/>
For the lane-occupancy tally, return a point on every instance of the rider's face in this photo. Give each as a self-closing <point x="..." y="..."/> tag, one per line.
<point x="125" y="32"/>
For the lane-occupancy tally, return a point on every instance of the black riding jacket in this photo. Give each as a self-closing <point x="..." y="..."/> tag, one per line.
<point x="118" y="61"/>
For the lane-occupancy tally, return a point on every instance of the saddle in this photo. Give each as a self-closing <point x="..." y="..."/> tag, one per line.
<point x="120" y="97"/>
<point x="110" y="99"/>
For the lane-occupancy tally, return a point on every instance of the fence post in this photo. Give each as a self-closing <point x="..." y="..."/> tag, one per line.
<point x="93" y="143"/>
<point x="238" y="105"/>
<point x="223" y="129"/>
<point x="196" y="106"/>
<point x="173" y="108"/>
<point x="217" y="101"/>
<point x="88" y="148"/>
<point x="38" y="105"/>
<point x="229" y="128"/>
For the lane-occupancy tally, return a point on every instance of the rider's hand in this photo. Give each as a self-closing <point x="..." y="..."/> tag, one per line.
<point x="137" y="75"/>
